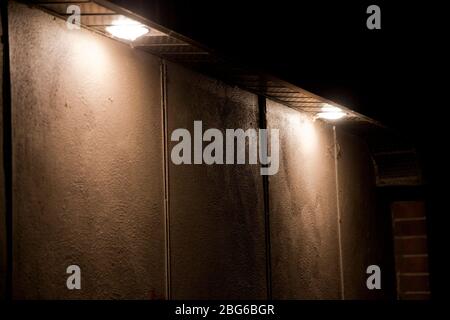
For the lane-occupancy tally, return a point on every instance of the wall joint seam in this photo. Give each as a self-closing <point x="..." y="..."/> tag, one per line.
<point x="338" y="211"/>
<point x="262" y="111"/>
<point x="163" y="76"/>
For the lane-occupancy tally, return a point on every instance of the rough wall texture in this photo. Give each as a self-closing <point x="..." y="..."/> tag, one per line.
<point x="303" y="217"/>
<point x="88" y="175"/>
<point x="2" y="191"/>
<point x="216" y="211"/>
<point x="88" y="183"/>
<point x="363" y="230"/>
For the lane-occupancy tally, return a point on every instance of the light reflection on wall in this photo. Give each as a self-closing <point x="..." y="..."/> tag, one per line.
<point x="87" y="161"/>
<point x="303" y="208"/>
<point x="90" y="61"/>
<point x="311" y="150"/>
<point x="305" y="134"/>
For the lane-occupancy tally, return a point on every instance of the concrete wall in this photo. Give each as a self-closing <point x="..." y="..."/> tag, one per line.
<point x="89" y="182"/>
<point x="303" y="217"/>
<point x="216" y="211"/>
<point x="88" y="168"/>
<point x="2" y="191"/>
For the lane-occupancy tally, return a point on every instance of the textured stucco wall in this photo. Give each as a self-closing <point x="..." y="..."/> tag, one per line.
<point x="88" y="175"/>
<point x="2" y="191"/>
<point x="364" y="229"/>
<point x="303" y="217"/>
<point x="88" y="182"/>
<point x="216" y="211"/>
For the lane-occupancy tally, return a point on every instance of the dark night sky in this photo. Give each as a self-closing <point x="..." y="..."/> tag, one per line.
<point x="394" y="75"/>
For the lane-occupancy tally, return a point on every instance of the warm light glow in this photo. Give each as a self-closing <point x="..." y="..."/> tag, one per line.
<point x="308" y="136"/>
<point x="331" y="113"/>
<point x="305" y="132"/>
<point x="127" y="29"/>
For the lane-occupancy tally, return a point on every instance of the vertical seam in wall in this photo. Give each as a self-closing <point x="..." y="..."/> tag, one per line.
<point x="7" y="150"/>
<point x="338" y="210"/>
<point x="263" y="125"/>
<point x="163" y="74"/>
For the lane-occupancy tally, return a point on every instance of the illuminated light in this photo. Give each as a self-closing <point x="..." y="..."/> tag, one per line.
<point x="329" y="112"/>
<point x="127" y="29"/>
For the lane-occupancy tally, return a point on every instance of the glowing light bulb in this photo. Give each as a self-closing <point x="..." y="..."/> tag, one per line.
<point x="329" y="112"/>
<point x="127" y="29"/>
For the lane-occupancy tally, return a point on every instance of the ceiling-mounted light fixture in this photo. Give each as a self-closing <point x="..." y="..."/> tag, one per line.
<point x="127" y="29"/>
<point x="330" y="112"/>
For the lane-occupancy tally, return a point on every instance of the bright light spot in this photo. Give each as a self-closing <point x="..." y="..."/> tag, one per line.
<point x="127" y="29"/>
<point x="308" y="136"/>
<point x="331" y="113"/>
<point x="304" y="132"/>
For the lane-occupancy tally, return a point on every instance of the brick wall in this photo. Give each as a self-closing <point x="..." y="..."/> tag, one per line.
<point x="411" y="252"/>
